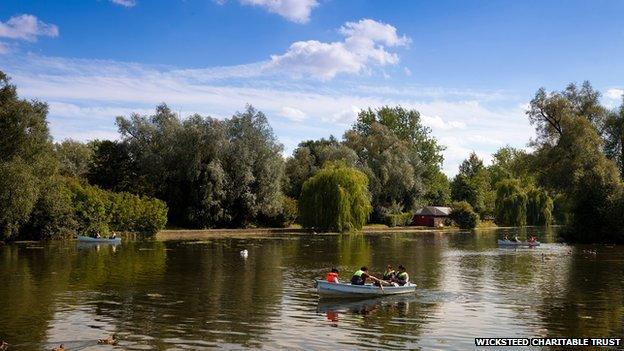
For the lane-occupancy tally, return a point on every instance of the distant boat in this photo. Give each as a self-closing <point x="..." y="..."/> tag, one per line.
<point x="518" y="243"/>
<point x="326" y="288"/>
<point x="88" y="239"/>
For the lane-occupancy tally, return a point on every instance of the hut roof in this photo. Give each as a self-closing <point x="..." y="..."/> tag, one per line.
<point x="434" y="211"/>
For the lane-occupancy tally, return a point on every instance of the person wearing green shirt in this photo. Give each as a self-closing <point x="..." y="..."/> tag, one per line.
<point x="402" y="277"/>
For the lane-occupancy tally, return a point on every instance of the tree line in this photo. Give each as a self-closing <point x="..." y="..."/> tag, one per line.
<point x="203" y="172"/>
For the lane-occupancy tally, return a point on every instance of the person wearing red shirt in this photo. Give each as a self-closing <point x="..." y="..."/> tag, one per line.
<point x="332" y="276"/>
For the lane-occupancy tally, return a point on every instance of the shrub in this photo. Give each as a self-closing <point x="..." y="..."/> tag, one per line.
<point x="98" y="211"/>
<point x="53" y="214"/>
<point x="335" y="199"/>
<point x="463" y="215"/>
<point x="398" y="219"/>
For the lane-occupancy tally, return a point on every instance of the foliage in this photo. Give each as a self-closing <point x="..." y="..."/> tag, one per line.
<point x="99" y="211"/>
<point x="613" y="132"/>
<point x="111" y="167"/>
<point x="438" y="190"/>
<point x="398" y="219"/>
<point x="309" y="157"/>
<point x="336" y="198"/>
<point x="511" y="203"/>
<point x="27" y="163"/>
<point x="463" y="215"/>
<point x="53" y="214"/>
<point x="568" y="153"/>
<point x="18" y="196"/>
<point x="209" y="172"/>
<point x="472" y="185"/>
<point x="539" y="207"/>
<point x="74" y="158"/>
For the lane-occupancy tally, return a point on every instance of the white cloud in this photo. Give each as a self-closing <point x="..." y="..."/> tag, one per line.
<point x="615" y="93"/>
<point x="125" y="3"/>
<point x="364" y="46"/>
<point x="293" y="114"/>
<point x="436" y="122"/>
<point x="86" y="95"/>
<point x="407" y="71"/>
<point x="294" y="10"/>
<point x="27" y="27"/>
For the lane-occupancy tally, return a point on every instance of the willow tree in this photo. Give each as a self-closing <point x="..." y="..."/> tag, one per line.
<point x="336" y="198"/>
<point x="511" y="203"/>
<point x="539" y="207"/>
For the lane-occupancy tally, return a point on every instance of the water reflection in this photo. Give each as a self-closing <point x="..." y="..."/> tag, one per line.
<point x="204" y="295"/>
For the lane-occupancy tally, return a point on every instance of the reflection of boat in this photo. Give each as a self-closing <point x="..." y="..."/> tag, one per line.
<point x="88" y="239"/>
<point x="517" y="243"/>
<point x="342" y="305"/>
<point x="325" y="288"/>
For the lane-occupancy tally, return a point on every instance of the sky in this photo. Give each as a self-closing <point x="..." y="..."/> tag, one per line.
<point x="469" y="67"/>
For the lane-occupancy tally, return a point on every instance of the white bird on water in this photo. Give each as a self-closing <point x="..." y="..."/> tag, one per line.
<point x="244" y="253"/>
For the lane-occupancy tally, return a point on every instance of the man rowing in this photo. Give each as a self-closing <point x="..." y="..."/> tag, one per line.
<point x="361" y="276"/>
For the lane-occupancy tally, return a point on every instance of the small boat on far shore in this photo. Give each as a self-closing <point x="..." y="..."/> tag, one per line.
<point x="88" y="239"/>
<point x="518" y="243"/>
<point x="326" y="288"/>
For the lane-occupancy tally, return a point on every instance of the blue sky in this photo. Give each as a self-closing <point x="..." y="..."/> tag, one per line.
<point x="469" y="67"/>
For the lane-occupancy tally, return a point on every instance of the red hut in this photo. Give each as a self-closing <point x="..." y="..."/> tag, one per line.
<point x="431" y="216"/>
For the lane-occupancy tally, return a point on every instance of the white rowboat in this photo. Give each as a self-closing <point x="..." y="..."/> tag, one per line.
<point x="88" y="239"/>
<point x="517" y="243"/>
<point x="326" y="288"/>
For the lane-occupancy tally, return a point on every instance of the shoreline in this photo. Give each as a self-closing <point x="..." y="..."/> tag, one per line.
<point x="189" y="234"/>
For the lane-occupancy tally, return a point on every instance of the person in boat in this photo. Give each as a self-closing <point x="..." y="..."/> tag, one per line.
<point x="389" y="274"/>
<point x="361" y="276"/>
<point x="515" y="239"/>
<point x="114" y="236"/>
<point x="402" y="277"/>
<point x="98" y="236"/>
<point x="332" y="276"/>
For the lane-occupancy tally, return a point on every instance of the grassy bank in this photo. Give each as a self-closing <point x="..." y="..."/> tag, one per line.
<point x="187" y="234"/>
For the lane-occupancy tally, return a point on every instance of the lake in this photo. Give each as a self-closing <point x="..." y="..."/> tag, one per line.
<point x="193" y="295"/>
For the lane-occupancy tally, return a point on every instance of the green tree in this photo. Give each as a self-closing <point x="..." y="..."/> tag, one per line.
<point x="27" y="162"/>
<point x="309" y="157"/>
<point x="336" y="198"/>
<point x="539" y="208"/>
<point x="511" y="203"/>
<point x="111" y="168"/>
<point x="463" y="215"/>
<point x="472" y="184"/>
<point x="614" y="137"/>
<point x="209" y="172"/>
<point x="74" y="158"/>
<point x="569" y="155"/>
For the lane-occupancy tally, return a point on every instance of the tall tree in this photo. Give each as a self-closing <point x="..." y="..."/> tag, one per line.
<point x="74" y="158"/>
<point x="335" y="199"/>
<point x="310" y="156"/>
<point x="210" y="172"/>
<point x="27" y="162"/>
<point x="614" y="137"/>
<point x="472" y="185"/>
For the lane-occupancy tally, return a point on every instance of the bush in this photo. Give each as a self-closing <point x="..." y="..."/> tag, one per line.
<point x="335" y="199"/>
<point x="138" y="214"/>
<point x="463" y="215"/>
<point x="98" y="211"/>
<point x="53" y="215"/>
<point x="398" y="219"/>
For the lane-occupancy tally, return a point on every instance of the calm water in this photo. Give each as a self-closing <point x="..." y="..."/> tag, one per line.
<point x="202" y="295"/>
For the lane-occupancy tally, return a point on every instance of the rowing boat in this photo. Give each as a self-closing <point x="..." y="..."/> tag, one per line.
<point x="88" y="239"/>
<point x="326" y="288"/>
<point x="517" y="243"/>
